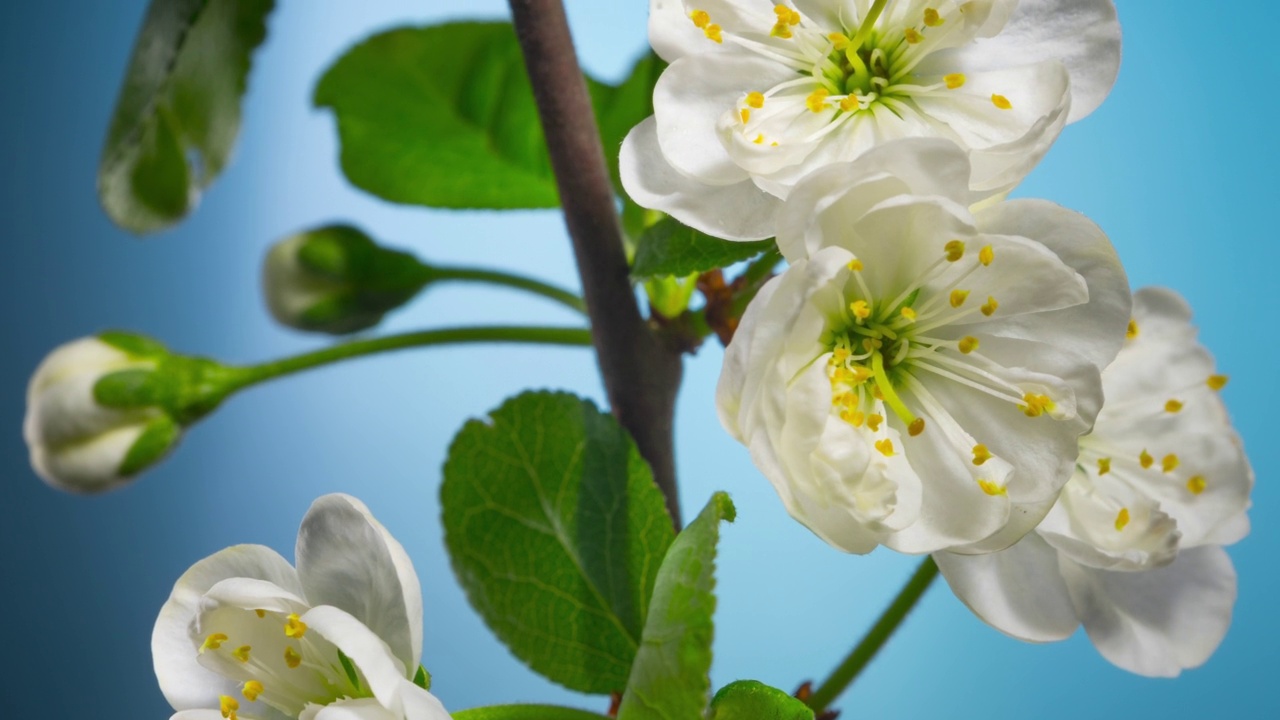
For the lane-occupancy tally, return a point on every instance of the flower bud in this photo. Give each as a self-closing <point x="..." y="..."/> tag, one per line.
<point x="85" y="426"/>
<point x="336" y="280"/>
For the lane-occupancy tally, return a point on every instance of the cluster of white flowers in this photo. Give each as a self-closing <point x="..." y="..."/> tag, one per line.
<point x="939" y="370"/>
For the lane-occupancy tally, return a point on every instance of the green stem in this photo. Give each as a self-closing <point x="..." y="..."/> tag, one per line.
<point x="864" y="30"/>
<point x="494" y="277"/>
<point x="498" y="334"/>
<point x="844" y="675"/>
<point x="526" y="712"/>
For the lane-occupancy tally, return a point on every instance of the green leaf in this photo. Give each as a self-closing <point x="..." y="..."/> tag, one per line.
<point x="669" y="680"/>
<point x="751" y="700"/>
<point x="422" y="678"/>
<point x="178" y="112"/>
<point x="157" y="439"/>
<point x="670" y="248"/>
<point x="556" y="529"/>
<point x="618" y="109"/>
<point x="350" y="669"/>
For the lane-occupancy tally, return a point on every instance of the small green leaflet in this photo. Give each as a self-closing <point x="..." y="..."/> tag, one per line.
<point x="350" y="669"/>
<point x="751" y="700"/>
<point x="422" y="678"/>
<point x="670" y="248"/>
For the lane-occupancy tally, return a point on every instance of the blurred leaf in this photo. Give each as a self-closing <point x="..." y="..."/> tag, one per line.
<point x="670" y="248"/>
<point x="556" y="529"/>
<point x="669" y="680"/>
<point x="751" y="700"/>
<point x="178" y="112"/>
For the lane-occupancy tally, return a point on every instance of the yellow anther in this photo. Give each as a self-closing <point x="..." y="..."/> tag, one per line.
<point x="954" y="250"/>
<point x="986" y="255"/>
<point x="861" y="310"/>
<point x="1196" y="484"/>
<point x="846" y="399"/>
<point x="981" y="454"/>
<point x="1122" y="519"/>
<point x="1217" y="382"/>
<point x="1145" y="460"/>
<point x="855" y="265"/>
<point x="1173" y="405"/>
<point x="712" y="32"/>
<point x="794" y="18"/>
<point x="990" y="307"/>
<point x="908" y="314"/>
<point x="954" y="81"/>
<point x="1104" y="466"/>
<point x="958" y="297"/>
<point x="1001" y="102"/>
<point x="252" y="689"/>
<point x="700" y="18"/>
<point x="1036" y="405"/>
<point x="839" y="355"/>
<point x="877" y="393"/>
<point x="874" y="420"/>
<point x="781" y="30"/>
<point x="817" y="100"/>
<point x="932" y="18"/>
<point x="842" y="375"/>
<point x="968" y="344"/>
<point x="860" y="375"/>
<point x="992" y="489"/>
<point x="260" y="613"/>
<point x="913" y="37"/>
<point x="292" y="658"/>
<point x="1169" y="463"/>
<point x="853" y="417"/>
<point x="755" y="100"/>
<point x="782" y="11"/>
<point x="294" y="627"/>
<point x="745" y="114"/>
<point x="242" y="653"/>
<point x="916" y="427"/>
<point x="759" y="139"/>
<point x="228" y="705"/>
<point x="839" y="41"/>
<point x="885" y="447"/>
<point x="1131" y="332"/>
<point x="213" y="642"/>
<point x="850" y="103"/>
<point x="872" y="344"/>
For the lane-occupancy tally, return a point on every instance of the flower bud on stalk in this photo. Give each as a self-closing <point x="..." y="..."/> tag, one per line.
<point x="336" y="280"/>
<point x="102" y="409"/>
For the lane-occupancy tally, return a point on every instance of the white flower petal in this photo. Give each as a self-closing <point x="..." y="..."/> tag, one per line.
<point x="1159" y="622"/>
<point x="347" y="559"/>
<point x="420" y="704"/>
<point x="185" y="684"/>
<point x="89" y="466"/>
<point x="348" y="709"/>
<point x="382" y="670"/>
<point x="1018" y="591"/>
<point x="1032" y="91"/>
<point x="740" y="211"/>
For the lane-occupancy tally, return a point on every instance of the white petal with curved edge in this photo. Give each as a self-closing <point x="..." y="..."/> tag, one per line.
<point x="420" y="704"/>
<point x="87" y="467"/>
<point x="1159" y="622"/>
<point x="740" y="211"/>
<point x="1018" y="591"/>
<point x="185" y="684"/>
<point x="671" y="33"/>
<point x="1032" y="91"/>
<point x="357" y="709"/>
<point x="375" y="660"/>
<point x="347" y="559"/>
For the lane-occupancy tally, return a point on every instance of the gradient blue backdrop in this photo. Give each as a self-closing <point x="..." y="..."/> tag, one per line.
<point x="1178" y="166"/>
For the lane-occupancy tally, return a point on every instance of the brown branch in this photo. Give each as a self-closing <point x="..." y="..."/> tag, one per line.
<point x="641" y="375"/>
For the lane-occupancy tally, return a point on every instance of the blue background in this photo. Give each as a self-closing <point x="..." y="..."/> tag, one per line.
<point x="1178" y="166"/>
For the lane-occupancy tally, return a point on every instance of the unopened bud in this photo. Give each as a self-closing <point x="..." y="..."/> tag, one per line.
<point x="336" y="280"/>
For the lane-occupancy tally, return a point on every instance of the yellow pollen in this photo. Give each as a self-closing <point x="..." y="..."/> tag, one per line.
<point x="817" y="100"/>
<point x="981" y="454"/>
<point x="916" y="427"/>
<point x="745" y="114"/>
<point x="1104" y="466"/>
<point x="913" y="37"/>
<point x="855" y="265"/>
<point x="954" y="81"/>
<point x="992" y="489"/>
<point x="874" y="420"/>
<point x="252" y="689"/>
<point x="759" y="139"/>
<point x="1217" y="382"/>
<point x="932" y="18"/>
<point x="877" y="393"/>
<point x="713" y="33"/>
<point x="1145" y="460"/>
<point x="1173" y="406"/>
<point x="861" y="310"/>
<point x="968" y="344"/>
<point x="794" y="18"/>
<point x="871" y="344"/>
<point x="839" y="355"/>
<point x="839" y="41"/>
<point x="860" y="375"/>
<point x="958" y="297"/>
<point x="850" y="103"/>
<point x="954" y="250"/>
<point x="1122" y="519"/>
<point x="755" y="100"/>
<point x="990" y="307"/>
<point x="242" y="653"/>
<point x="847" y="399"/>
<point x="781" y="30"/>
<point x="292" y="658"/>
<point x="1036" y="405"/>
<point x="700" y="18"/>
<point x="842" y="375"/>
<point x="986" y="255"/>
<point x="853" y="417"/>
<point x="885" y="447"/>
<point x="1196" y="484"/>
<point x="228" y="705"/>
<point x="213" y="642"/>
<point x="782" y="11"/>
<point x="1001" y="102"/>
<point x="909" y="314"/>
<point x="1131" y="332"/>
<point x="260" y="613"/>
<point x="294" y="627"/>
<point x="1169" y="463"/>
